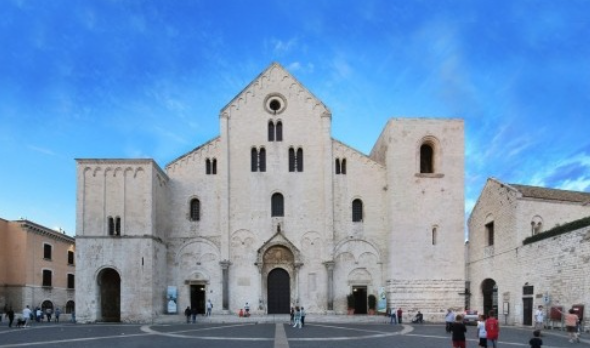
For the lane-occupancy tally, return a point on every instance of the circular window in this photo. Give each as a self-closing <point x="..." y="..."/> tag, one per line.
<point x="275" y="103"/>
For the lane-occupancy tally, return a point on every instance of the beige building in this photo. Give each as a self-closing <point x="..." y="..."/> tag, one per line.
<point x="275" y="212"/>
<point x="38" y="267"/>
<point x="515" y="276"/>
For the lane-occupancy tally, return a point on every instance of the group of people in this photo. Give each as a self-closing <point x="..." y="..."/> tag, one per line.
<point x="395" y="315"/>
<point x="488" y="329"/>
<point x="29" y="315"/>
<point x="571" y="319"/>
<point x="191" y="313"/>
<point x="297" y="316"/>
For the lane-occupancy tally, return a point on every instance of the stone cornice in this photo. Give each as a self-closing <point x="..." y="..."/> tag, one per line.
<point x="157" y="239"/>
<point x="32" y="227"/>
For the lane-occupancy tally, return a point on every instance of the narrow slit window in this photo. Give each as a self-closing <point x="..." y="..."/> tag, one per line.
<point x="118" y="226"/>
<point x="490" y="233"/>
<point x="207" y="166"/>
<point x="279" y="131"/>
<point x="357" y="210"/>
<point x="277" y="205"/>
<point x="262" y="160"/>
<point x="337" y="166"/>
<point x="214" y="166"/>
<point x="254" y="160"/>
<point x="195" y="210"/>
<point x="426" y="159"/>
<point x="271" y="131"/>
<point x="111" y="226"/>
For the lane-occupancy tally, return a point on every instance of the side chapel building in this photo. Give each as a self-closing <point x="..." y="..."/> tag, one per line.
<point x="274" y="212"/>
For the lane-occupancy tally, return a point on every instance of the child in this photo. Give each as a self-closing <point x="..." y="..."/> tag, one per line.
<point x="458" y="332"/>
<point x="536" y="342"/>
<point x="481" y="332"/>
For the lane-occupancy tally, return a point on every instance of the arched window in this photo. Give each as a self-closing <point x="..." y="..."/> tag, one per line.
<point x="214" y="166"/>
<point x="117" y="226"/>
<point x="254" y="160"/>
<point x="111" y="226"/>
<point x="295" y="160"/>
<point x="195" y="210"/>
<point x="291" y="160"/>
<point x="337" y="165"/>
<point x="279" y="131"/>
<point x="271" y="131"/>
<point x="357" y="210"/>
<point x="277" y="205"/>
<point x="434" y="235"/>
<point x="343" y="166"/>
<point x="262" y="160"/>
<point x="258" y="159"/>
<point x="426" y="159"/>
<point x="207" y="166"/>
<point x="70" y="307"/>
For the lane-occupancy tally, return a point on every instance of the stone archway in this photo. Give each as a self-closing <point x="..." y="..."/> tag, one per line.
<point x="109" y="292"/>
<point x="277" y="267"/>
<point x="489" y="291"/>
<point x="278" y="261"/>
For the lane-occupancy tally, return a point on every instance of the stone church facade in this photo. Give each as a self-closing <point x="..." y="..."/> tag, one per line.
<point x="514" y="278"/>
<point x="275" y="212"/>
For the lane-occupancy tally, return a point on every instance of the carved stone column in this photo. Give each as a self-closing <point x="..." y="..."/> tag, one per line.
<point x="330" y="268"/>
<point x="225" y="284"/>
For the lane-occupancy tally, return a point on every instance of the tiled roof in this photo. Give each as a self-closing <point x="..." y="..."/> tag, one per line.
<point x="552" y="194"/>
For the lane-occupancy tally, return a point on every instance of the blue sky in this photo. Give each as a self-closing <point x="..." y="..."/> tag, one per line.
<point x="137" y="79"/>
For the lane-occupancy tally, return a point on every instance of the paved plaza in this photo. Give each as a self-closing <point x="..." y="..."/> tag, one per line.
<point x="250" y="332"/>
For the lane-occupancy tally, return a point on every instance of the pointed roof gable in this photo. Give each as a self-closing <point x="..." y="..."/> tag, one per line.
<point x="274" y="73"/>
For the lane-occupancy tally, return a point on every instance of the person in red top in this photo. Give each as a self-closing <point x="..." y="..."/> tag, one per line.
<point x="492" y="328"/>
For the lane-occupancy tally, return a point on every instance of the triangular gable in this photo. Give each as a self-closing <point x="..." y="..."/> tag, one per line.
<point x="274" y="73"/>
<point x="278" y="239"/>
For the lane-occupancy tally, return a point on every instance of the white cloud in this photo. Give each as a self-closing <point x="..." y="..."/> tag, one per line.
<point x="41" y="150"/>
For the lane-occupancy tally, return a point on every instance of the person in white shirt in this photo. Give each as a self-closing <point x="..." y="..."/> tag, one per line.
<point x="539" y="319"/>
<point x="481" y="331"/>
<point x="26" y="315"/>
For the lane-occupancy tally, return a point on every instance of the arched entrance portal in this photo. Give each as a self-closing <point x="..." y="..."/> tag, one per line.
<point x="109" y="287"/>
<point x="489" y="291"/>
<point x="278" y="291"/>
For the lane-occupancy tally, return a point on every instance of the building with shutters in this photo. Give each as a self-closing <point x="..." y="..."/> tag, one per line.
<point x="37" y="267"/>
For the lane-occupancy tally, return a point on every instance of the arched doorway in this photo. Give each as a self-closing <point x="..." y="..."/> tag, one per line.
<point x="109" y="285"/>
<point x="489" y="290"/>
<point x="278" y="291"/>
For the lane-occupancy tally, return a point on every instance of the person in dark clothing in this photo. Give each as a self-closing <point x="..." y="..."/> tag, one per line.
<point x="194" y="314"/>
<point x="187" y="314"/>
<point x="536" y="342"/>
<point x="10" y="314"/>
<point x="458" y="331"/>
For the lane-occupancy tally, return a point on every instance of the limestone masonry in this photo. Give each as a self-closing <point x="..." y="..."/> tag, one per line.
<point x="274" y="212"/>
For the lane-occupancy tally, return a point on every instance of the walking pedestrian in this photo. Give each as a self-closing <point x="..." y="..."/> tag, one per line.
<point x="399" y="315"/>
<point x="536" y="342"/>
<point x="539" y="320"/>
<point x="187" y="314"/>
<point x="458" y="332"/>
<point x="10" y="315"/>
<point x="392" y="316"/>
<point x="492" y="328"/>
<point x="302" y="317"/>
<point x="209" y="307"/>
<point x="57" y="314"/>
<point x="449" y="318"/>
<point x="297" y="317"/>
<point x="292" y="314"/>
<point x="481" y="332"/>
<point x="194" y="314"/>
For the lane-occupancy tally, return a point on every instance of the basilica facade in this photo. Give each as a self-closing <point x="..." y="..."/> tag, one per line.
<point x="275" y="212"/>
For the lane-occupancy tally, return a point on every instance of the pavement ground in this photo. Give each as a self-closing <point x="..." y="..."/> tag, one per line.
<point x="262" y="332"/>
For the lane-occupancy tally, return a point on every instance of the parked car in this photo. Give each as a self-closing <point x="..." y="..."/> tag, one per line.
<point x="470" y="317"/>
